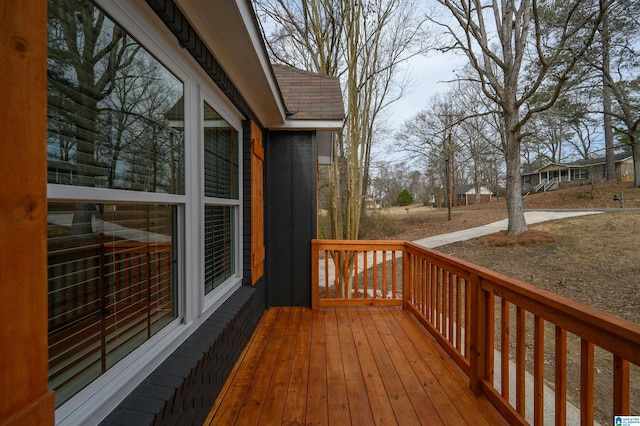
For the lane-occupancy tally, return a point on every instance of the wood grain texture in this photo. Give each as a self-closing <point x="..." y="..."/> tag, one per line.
<point x="346" y="366"/>
<point x="24" y="397"/>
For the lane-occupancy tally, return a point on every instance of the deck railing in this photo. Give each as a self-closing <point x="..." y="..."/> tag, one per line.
<point x="500" y="331"/>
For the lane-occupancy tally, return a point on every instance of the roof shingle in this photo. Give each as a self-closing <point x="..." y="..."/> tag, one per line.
<point x="309" y="96"/>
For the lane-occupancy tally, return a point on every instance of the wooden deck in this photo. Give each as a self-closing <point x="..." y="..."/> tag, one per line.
<point x="343" y="366"/>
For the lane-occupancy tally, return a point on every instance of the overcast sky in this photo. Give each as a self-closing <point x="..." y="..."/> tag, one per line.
<point x="430" y="75"/>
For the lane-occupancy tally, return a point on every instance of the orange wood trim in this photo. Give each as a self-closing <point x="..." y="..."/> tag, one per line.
<point x="359" y="302"/>
<point x="444" y="343"/>
<point x="478" y="361"/>
<point x="23" y="213"/>
<point x="39" y="412"/>
<point x="459" y="314"/>
<point x="315" y="271"/>
<point x="431" y="288"/>
<point x="490" y="336"/>
<point x="257" y="204"/>
<point x="506" y="410"/>
<point x="406" y="288"/>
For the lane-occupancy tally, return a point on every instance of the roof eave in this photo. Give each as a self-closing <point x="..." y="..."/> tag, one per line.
<point x="230" y="31"/>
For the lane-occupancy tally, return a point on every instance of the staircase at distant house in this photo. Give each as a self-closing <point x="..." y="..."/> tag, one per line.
<point x="546" y="185"/>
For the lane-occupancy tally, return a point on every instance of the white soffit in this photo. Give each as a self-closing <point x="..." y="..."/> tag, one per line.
<point x="330" y="125"/>
<point x="228" y="29"/>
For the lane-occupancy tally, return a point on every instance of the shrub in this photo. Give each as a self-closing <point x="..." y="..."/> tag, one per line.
<point x="404" y="198"/>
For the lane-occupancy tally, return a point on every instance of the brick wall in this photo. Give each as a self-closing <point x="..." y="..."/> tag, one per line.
<point x="184" y="387"/>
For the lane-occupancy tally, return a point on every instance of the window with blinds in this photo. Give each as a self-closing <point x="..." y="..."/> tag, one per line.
<point x="111" y="286"/>
<point x="219" y="248"/>
<point x="118" y="205"/>
<point x="221" y="177"/>
<point x="220" y="156"/>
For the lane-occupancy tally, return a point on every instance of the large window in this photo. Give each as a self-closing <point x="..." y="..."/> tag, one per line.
<point x="115" y="121"/>
<point x="128" y="266"/>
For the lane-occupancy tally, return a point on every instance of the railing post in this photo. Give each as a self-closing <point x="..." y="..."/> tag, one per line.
<point x="478" y="338"/>
<point x="406" y="273"/>
<point x="315" y="285"/>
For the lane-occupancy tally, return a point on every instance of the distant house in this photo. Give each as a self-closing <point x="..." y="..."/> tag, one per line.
<point x="547" y="177"/>
<point x="467" y="195"/>
<point x="371" y="202"/>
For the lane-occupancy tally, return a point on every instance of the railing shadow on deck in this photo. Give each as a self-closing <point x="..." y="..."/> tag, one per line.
<point x="473" y="313"/>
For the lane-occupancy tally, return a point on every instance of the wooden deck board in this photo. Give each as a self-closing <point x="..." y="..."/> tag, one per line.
<point x="378" y="399"/>
<point x="296" y="399"/>
<point x="359" y="406"/>
<point x="317" y="412"/>
<point x="449" y="377"/>
<point x="346" y="366"/>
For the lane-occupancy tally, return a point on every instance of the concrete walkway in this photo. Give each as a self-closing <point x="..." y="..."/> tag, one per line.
<point x="532" y="217"/>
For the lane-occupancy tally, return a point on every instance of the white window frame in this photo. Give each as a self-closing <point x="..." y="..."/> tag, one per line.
<point x="210" y="302"/>
<point x="99" y="398"/>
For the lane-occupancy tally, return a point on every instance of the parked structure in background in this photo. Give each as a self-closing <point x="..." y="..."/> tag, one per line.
<point x="550" y="176"/>
<point x="466" y="195"/>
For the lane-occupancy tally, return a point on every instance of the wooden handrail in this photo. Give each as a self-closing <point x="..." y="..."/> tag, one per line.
<point x="467" y="309"/>
<point x="350" y="276"/>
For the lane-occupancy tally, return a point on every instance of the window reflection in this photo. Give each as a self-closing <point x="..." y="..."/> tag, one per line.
<point x="112" y="286"/>
<point x="220" y="156"/>
<point x="115" y="113"/>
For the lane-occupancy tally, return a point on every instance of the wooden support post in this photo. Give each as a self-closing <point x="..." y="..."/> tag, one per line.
<point x="406" y="277"/>
<point x="24" y="396"/>
<point x="315" y="270"/>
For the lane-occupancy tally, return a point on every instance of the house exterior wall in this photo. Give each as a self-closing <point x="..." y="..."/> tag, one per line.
<point x="184" y="387"/>
<point x="179" y="382"/>
<point x="468" y="199"/>
<point x="291" y="212"/>
<point x="624" y="170"/>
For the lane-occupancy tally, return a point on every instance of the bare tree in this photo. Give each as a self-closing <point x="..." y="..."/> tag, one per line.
<point x="365" y="43"/>
<point x="606" y="97"/>
<point x="620" y="67"/>
<point x="502" y="37"/>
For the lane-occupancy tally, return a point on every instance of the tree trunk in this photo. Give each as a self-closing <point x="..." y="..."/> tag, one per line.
<point x="606" y="100"/>
<point x="636" y="158"/>
<point x="335" y="200"/>
<point x="515" y="209"/>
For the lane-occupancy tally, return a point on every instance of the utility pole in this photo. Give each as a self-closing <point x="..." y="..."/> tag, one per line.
<point x="449" y="162"/>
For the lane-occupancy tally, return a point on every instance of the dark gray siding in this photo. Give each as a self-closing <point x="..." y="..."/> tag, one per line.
<point x="291" y="217"/>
